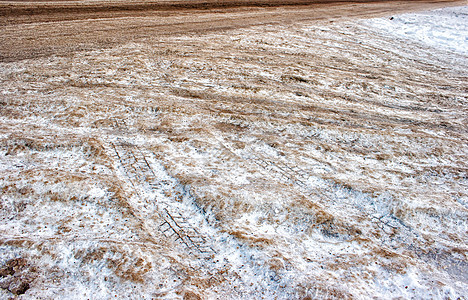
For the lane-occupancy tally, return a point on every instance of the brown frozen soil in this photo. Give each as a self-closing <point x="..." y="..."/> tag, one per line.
<point x="234" y="151"/>
<point x="32" y="29"/>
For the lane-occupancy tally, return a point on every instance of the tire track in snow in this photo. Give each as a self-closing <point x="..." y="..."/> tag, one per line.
<point x="338" y="198"/>
<point x="331" y="197"/>
<point x="158" y="211"/>
<point x="154" y="203"/>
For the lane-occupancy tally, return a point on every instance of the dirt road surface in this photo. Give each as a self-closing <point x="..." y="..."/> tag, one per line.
<point x="32" y="29"/>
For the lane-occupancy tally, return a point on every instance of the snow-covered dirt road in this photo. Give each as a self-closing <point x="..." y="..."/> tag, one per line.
<point x="321" y="159"/>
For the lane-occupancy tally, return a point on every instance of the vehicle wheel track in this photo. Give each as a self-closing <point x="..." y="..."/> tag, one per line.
<point x="167" y="218"/>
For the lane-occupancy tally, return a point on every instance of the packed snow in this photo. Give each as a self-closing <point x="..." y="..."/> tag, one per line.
<point x="445" y="28"/>
<point x="313" y="160"/>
